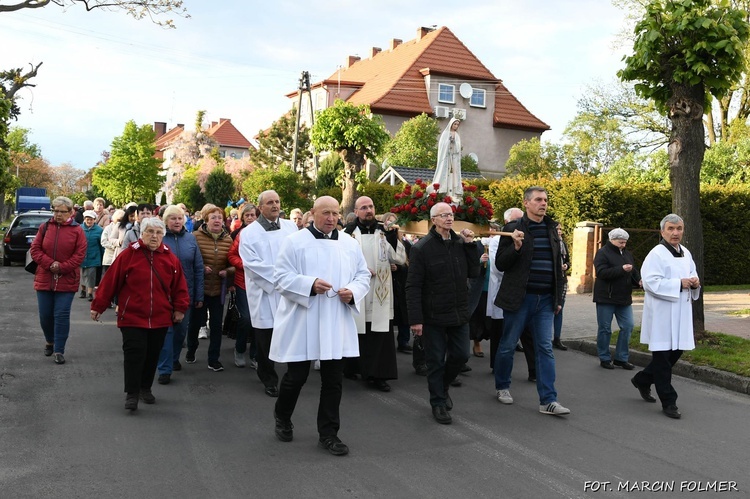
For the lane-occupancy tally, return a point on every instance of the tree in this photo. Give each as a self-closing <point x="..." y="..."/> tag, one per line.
<point x="276" y="145"/>
<point x="532" y="158"/>
<point x="685" y="52"/>
<point x="188" y="191"/>
<point x="138" y="9"/>
<point x="219" y="187"/>
<point x="292" y="192"/>
<point x="132" y="173"/>
<point x="67" y="179"/>
<point x="330" y="171"/>
<point x="18" y="142"/>
<point x="415" y="144"/>
<point x="356" y="135"/>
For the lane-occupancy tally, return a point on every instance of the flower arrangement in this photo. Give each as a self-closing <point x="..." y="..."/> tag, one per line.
<point x="413" y="203"/>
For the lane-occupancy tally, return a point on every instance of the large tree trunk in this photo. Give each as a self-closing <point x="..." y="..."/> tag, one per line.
<point x="686" y="149"/>
<point x="353" y="163"/>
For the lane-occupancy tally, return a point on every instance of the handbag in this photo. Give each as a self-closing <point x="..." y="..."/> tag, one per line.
<point x="31" y="265"/>
<point x="232" y="318"/>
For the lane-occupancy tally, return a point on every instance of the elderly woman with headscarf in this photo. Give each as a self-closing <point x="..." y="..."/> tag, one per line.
<point x="616" y="275"/>
<point x="185" y="247"/>
<point x="448" y="170"/>
<point x="214" y="243"/>
<point x="149" y="281"/>
<point x="58" y="249"/>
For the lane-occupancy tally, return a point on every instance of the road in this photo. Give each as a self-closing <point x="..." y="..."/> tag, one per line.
<point x="64" y="432"/>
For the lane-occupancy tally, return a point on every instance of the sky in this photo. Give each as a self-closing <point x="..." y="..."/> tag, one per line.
<point x="238" y="59"/>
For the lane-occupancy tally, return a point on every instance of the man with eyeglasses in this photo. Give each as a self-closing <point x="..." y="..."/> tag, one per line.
<point x="381" y="248"/>
<point x="437" y="299"/>
<point x="322" y="276"/>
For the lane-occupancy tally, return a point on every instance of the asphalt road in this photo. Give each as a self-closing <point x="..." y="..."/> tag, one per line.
<point x="64" y="432"/>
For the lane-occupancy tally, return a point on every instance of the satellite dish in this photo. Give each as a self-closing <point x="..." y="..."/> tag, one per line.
<point x="474" y="157"/>
<point x="465" y="90"/>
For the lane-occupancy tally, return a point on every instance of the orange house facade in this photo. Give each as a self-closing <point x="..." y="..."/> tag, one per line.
<point x="438" y="75"/>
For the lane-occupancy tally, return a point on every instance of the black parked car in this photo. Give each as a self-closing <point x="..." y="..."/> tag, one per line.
<point x="18" y="237"/>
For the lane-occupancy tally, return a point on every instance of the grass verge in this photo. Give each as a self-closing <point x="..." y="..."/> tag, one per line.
<point x="717" y="350"/>
<point x="744" y="311"/>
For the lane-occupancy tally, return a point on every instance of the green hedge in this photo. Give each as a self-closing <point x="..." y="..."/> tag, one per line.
<point x="576" y="198"/>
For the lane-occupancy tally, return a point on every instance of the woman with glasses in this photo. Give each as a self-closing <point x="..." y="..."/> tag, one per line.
<point x="58" y="249"/>
<point x="149" y="281"/>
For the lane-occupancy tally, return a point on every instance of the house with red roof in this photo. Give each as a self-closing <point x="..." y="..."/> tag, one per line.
<point x="438" y="75"/>
<point x="231" y="143"/>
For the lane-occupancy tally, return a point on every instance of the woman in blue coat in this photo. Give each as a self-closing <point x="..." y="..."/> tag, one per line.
<point x="184" y="246"/>
<point x="92" y="263"/>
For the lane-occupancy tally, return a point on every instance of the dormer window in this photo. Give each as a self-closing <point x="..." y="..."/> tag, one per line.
<point x="478" y="98"/>
<point x="446" y="93"/>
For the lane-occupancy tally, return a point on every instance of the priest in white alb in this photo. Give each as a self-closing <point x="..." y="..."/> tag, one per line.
<point x="671" y="284"/>
<point x="322" y="276"/>
<point x="381" y="248"/>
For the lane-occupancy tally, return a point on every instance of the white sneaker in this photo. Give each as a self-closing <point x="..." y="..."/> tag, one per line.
<point x="554" y="408"/>
<point x="316" y="365"/>
<point x="253" y="363"/>
<point x="503" y="396"/>
<point x="239" y="359"/>
<point x="203" y="333"/>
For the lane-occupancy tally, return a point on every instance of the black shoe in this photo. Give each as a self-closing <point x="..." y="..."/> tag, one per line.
<point x="465" y="368"/>
<point x="421" y="370"/>
<point x="624" y="364"/>
<point x="215" y="366"/>
<point x="271" y="391"/>
<point x="441" y="415"/>
<point x="456" y="382"/>
<point x="380" y="384"/>
<point x="672" y="412"/>
<point x="532" y="376"/>
<point x="59" y="359"/>
<point x="190" y="357"/>
<point x="131" y="401"/>
<point x="164" y="379"/>
<point x="147" y="396"/>
<point x="284" y="429"/>
<point x="448" y="401"/>
<point x="645" y="391"/>
<point x="405" y="349"/>
<point x="519" y="347"/>
<point x="351" y="376"/>
<point x="90" y="297"/>
<point x="559" y="345"/>
<point x="48" y="349"/>
<point x="606" y="364"/>
<point x="334" y="446"/>
<point x="176" y="366"/>
<point x="82" y="295"/>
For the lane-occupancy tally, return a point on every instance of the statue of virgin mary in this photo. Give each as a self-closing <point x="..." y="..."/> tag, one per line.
<point x="448" y="171"/>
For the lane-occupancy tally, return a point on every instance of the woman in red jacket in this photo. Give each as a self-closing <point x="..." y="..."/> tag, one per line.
<point x="58" y="249"/>
<point x="152" y="295"/>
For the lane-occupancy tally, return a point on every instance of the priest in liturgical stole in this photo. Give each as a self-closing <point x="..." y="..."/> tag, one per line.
<point x="322" y="277"/>
<point x="671" y="284"/>
<point x="377" y="347"/>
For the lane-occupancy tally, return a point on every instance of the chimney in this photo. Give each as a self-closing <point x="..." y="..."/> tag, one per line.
<point x="351" y="60"/>
<point x="222" y="120"/>
<point x="375" y="51"/>
<point x="160" y="128"/>
<point x="395" y="42"/>
<point x="213" y="124"/>
<point x="422" y="32"/>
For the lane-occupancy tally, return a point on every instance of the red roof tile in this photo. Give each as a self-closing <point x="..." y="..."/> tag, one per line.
<point x="392" y="81"/>
<point x="227" y="135"/>
<point x="163" y="141"/>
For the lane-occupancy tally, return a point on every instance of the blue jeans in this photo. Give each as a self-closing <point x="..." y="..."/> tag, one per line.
<point x="244" y="326"/>
<point x="54" y="317"/>
<point x="536" y="313"/>
<point x="624" y="316"/>
<point x="446" y="351"/>
<point x="173" y="341"/>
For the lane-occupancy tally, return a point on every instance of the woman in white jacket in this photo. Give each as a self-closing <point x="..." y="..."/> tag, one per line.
<point x="112" y="238"/>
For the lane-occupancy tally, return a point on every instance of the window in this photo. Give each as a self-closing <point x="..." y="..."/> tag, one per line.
<point x="446" y="93"/>
<point x="478" y="97"/>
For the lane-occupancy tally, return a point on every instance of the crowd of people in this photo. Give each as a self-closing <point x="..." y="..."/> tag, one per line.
<point x="316" y="290"/>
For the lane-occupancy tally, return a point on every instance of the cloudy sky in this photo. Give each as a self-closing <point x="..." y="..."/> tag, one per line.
<point x="237" y="59"/>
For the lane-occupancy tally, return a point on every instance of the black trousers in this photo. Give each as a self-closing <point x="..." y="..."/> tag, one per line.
<point x="141" y="348"/>
<point x="266" y="367"/>
<point x="331" y="375"/>
<point x="659" y="373"/>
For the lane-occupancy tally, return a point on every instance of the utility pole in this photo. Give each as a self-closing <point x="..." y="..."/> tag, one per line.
<point x="304" y="86"/>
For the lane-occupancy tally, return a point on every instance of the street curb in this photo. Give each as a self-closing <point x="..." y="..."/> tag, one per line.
<point x="730" y="381"/>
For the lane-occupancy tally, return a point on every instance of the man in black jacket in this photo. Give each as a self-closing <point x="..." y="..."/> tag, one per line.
<point x="530" y="295"/>
<point x="616" y="275"/>
<point x="437" y="303"/>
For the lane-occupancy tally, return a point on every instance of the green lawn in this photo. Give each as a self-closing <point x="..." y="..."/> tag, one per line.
<point x="717" y="350"/>
<point x="744" y="311"/>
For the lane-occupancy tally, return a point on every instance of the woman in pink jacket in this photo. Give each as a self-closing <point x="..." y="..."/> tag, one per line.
<point x="58" y="249"/>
